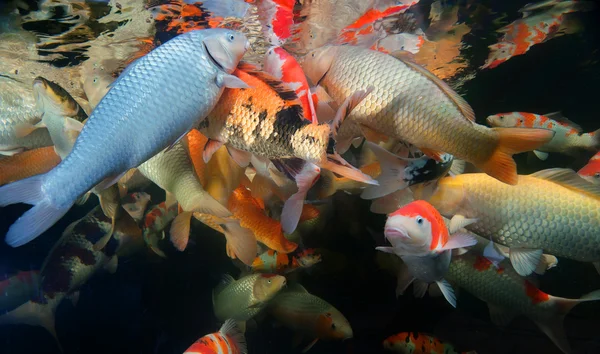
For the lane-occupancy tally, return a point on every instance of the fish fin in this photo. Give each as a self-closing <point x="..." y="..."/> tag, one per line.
<point x="210" y="148"/>
<point x="35" y="220"/>
<point x="155" y="248"/>
<point x="447" y="291"/>
<point x="597" y="266"/>
<point x="292" y="209"/>
<point x="110" y="209"/>
<point x="103" y="241"/>
<point x="541" y="155"/>
<point x="501" y="316"/>
<point x="554" y="329"/>
<point x="459" y="240"/>
<point x="74" y="297"/>
<point x="436" y="155"/>
<point x="232" y="331"/>
<point x="180" y="230"/>
<point x="547" y="262"/>
<point x="324" y="112"/>
<point x="460" y="102"/>
<point x="25" y="129"/>
<point x="225" y="281"/>
<point x="500" y="164"/>
<point x="372" y="135"/>
<point x="327" y="184"/>
<point x="337" y="164"/>
<point x="289" y="167"/>
<point x="242" y="158"/>
<point x="403" y="55"/>
<point x="557" y="116"/>
<point x="458" y="222"/>
<point x="356" y="142"/>
<point x="72" y="125"/>
<point x="33" y="314"/>
<point x="310" y="345"/>
<point x="524" y="260"/>
<point x="241" y="241"/>
<point x="403" y="279"/>
<point x="419" y="288"/>
<point x="347" y="107"/>
<point x="83" y="199"/>
<point x="569" y="179"/>
<point x="11" y="152"/>
<point x="385" y="249"/>
<point x="109" y="181"/>
<point x="231" y="81"/>
<point x="391" y="178"/>
<point x="204" y="203"/>
<point x="112" y="265"/>
<point x="458" y="167"/>
<point x="321" y="94"/>
<point x="492" y="254"/>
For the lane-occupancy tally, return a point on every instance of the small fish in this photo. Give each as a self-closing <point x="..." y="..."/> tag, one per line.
<point x="568" y="137"/>
<point x="252" y="216"/>
<point x="552" y="211"/>
<point x="309" y="316"/>
<point x="27" y="163"/>
<point x="228" y="340"/>
<point x="420" y="237"/>
<point x="117" y="136"/>
<point x="156" y="221"/>
<point x="591" y="171"/>
<point x="135" y="205"/>
<point x="242" y="299"/>
<point x="419" y="343"/>
<point x="444" y="120"/>
<point x="281" y="263"/>
<point x="283" y="66"/>
<point x="509" y="295"/>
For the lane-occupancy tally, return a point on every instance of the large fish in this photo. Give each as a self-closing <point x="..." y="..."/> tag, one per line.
<point x="553" y="211"/>
<point x="154" y="103"/>
<point x="411" y="104"/>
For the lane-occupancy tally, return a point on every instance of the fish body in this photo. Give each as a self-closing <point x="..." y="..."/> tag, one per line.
<point x="18" y="288"/>
<point x="508" y="295"/>
<point x="281" y="263"/>
<point x="410" y="104"/>
<point x="591" y="171"/>
<point x="27" y="163"/>
<point x="156" y="221"/>
<point x="242" y="299"/>
<point x="418" y="343"/>
<point x="228" y="340"/>
<point x="567" y="137"/>
<point x="553" y="210"/>
<point x="173" y="87"/>
<point x="17" y="108"/>
<point x="309" y="315"/>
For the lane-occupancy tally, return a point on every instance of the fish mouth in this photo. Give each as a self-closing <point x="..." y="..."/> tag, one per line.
<point x="395" y="232"/>
<point x="489" y="120"/>
<point x="212" y="59"/>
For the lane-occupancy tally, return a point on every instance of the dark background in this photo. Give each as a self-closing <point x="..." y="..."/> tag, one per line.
<point x="161" y="306"/>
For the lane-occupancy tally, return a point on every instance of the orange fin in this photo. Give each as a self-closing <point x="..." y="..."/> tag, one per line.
<point x="500" y="164"/>
<point x="335" y="163"/>
<point x="180" y="230"/>
<point x="372" y="135"/>
<point x="436" y="155"/>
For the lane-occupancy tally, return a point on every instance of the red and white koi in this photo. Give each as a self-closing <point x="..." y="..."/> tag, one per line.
<point x="591" y="171"/>
<point x="278" y="15"/>
<point x="228" y="340"/>
<point x="281" y="263"/>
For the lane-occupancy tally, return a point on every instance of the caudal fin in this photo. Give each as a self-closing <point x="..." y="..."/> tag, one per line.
<point x="240" y="241"/>
<point x="232" y="331"/>
<point x="37" y="219"/>
<point x="33" y="314"/>
<point x="500" y="164"/>
<point x="292" y="209"/>
<point x="391" y="178"/>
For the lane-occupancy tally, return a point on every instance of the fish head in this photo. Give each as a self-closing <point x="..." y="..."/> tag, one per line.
<point x="52" y="98"/>
<point x="317" y="63"/>
<point x="506" y="120"/>
<point x="268" y="285"/>
<point x="225" y="47"/>
<point x="308" y="258"/>
<point x="333" y="325"/>
<point x="416" y="228"/>
<point x="591" y="171"/>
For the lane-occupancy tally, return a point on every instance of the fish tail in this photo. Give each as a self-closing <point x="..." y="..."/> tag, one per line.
<point x="392" y="176"/>
<point x="37" y="219"/>
<point x="231" y="331"/>
<point x="240" y="241"/>
<point x="33" y="314"/>
<point x="595" y="139"/>
<point x="500" y="164"/>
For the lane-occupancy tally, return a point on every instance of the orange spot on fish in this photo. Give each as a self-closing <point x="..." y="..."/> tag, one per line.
<point x="535" y="294"/>
<point x="482" y="264"/>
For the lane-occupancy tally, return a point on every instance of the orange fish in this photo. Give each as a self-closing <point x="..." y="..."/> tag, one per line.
<point x="591" y="171"/>
<point x="228" y="340"/>
<point x="251" y="216"/>
<point x="419" y="343"/>
<point x="277" y="18"/>
<point x="27" y="163"/>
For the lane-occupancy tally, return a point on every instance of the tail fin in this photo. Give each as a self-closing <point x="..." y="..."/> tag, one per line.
<point x="232" y="331"/>
<point x="33" y="314"/>
<point x="500" y="164"/>
<point x="391" y="178"/>
<point x="596" y="140"/>
<point x="240" y="241"/>
<point x="37" y="219"/>
<point x="292" y="209"/>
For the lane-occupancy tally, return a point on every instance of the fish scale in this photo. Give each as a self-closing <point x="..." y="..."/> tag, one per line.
<point x="535" y="214"/>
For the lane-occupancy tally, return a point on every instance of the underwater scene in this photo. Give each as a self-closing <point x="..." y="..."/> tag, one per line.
<point x="299" y="176"/>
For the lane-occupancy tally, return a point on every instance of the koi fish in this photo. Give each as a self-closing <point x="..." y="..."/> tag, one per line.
<point x="277" y="18"/>
<point x="281" y="263"/>
<point x="591" y="171"/>
<point x="419" y="343"/>
<point x="228" y="340"/>
<point x="27" y="163"/>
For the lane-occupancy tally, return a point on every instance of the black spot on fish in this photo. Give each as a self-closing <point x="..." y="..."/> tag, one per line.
<point x="331" y="145"/>
<point x="407" y="340"/>
<point x="261" y="118"/>
<point x="58" y="274"/>
<point x="416" y="335"/>
<point x="204" y="124"/>
<point x="287" y="122"/>
<point x="425" y="170"/>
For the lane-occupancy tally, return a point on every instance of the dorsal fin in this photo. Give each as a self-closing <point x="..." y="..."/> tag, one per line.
<point x="557" y="116"/>
<point x="226" y="279"/>
<point x="569" y="179"/>
<point x="286" y="93"/>
<point x="460" y="102"/>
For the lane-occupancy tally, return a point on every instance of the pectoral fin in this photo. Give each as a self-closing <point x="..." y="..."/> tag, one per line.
<point x="524" y="260"/>
<point x="25" y="129"/>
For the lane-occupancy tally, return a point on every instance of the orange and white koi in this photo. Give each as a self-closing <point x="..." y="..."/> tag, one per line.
<point x="509" y="295"/>
<point x="591" y="171"/>
<point x="283" y="66"/>
<point x="419" y="236"/>
<point x="156" y="221"/>
<point x="281" y="263"/>
<point x="567" y="135"/>
<point x="277" y="18"/>
<point x="228" y="340"/>
<point x="419" y="343"/>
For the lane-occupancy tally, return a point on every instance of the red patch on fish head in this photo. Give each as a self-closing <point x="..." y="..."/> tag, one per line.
<point x="422" y="212"/>
<point x="267" y="276"/>
<point x="536" y="295"/>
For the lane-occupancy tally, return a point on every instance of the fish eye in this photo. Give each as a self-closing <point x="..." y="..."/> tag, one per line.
<point x="597" y="175"/>
<point x="231" y="37"/>
<point x="520" y="120"/>
<point x="269" y="281"/>
<point x="419" y="220"/>
<point x="333" y="326"/>
<point x="312" y="55"/>
<point x="501" y="117"/>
